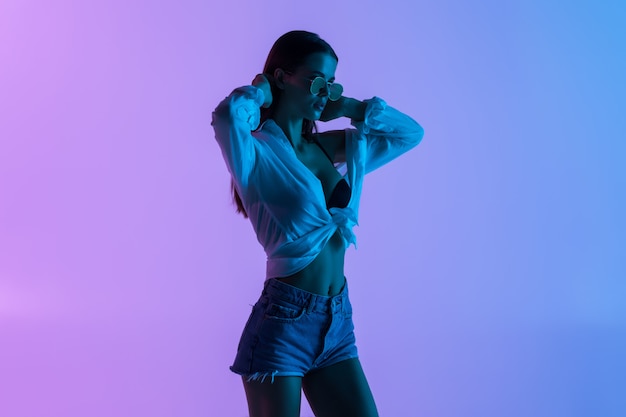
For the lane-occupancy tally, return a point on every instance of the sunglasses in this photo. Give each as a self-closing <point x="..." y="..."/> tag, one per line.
<point x="318" y="84"/>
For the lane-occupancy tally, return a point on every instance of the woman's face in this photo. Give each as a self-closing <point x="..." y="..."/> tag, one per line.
<point x="297" y="86"/>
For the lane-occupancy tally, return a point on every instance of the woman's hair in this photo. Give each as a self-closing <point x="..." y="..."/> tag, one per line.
<point x="288" y="53"/>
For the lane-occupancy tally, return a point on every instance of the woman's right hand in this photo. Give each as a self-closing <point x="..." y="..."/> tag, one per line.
<point x="261" y="81"/>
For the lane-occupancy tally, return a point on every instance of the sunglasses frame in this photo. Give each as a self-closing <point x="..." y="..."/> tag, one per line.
<point x="333" y="89"/>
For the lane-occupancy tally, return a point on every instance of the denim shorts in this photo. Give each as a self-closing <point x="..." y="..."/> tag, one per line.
<point x="291" y="332"/>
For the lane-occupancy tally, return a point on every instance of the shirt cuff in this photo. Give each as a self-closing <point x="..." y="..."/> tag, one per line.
<point x="375" y="108"/>
<point x="249" y="110"/>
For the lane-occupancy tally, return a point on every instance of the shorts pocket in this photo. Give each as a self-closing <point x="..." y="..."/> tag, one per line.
<point x="285" y="312"/>
<point x="250" y="329"/>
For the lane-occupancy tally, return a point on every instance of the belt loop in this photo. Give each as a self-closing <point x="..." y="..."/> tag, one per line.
<point x="309" y="306"/>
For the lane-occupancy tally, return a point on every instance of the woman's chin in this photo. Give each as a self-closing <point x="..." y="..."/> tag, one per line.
<point x="317" y="111"/>
<point x="314" y="115"/>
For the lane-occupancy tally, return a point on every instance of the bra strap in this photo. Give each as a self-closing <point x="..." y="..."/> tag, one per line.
<point x="323" y="150"/>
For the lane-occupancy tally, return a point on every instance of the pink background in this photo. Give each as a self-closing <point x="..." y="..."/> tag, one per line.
<point x="490" y="278"/>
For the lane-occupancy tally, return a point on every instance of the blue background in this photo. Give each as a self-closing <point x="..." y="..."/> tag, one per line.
<point x="490" y="278"/>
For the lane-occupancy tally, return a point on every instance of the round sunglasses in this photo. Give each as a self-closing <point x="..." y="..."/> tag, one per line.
<point x="319" y="83"/>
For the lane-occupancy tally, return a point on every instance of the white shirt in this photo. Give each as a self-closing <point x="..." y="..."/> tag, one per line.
<point x="284" y="200"/>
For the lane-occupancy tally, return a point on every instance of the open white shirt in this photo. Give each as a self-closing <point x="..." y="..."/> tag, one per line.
<point x="284" y="200"/>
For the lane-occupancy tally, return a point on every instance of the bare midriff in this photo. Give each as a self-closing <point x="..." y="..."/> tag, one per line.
<point x="325" y="274"/>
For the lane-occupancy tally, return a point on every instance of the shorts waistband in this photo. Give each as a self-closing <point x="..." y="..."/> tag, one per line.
<point x="311" y="301"/>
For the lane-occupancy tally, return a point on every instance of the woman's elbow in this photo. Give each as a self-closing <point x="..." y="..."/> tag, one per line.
<point x="417" y="135"/>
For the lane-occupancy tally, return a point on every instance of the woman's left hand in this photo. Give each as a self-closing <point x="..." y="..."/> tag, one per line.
<point x="344" y="107"/>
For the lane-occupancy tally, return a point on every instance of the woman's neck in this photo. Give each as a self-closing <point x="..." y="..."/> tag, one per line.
<point x="291" y="126"/>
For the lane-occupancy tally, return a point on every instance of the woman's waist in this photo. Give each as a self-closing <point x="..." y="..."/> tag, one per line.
<point x="275" y="290"/>
<point x="325" y="274"/>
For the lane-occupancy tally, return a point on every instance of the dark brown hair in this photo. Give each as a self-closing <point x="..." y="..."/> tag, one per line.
<point x="288" y="53"/>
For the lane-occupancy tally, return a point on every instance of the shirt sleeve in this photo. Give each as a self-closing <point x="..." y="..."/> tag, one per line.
<point x="233" y="120"/>
<point x="388" y="132"/>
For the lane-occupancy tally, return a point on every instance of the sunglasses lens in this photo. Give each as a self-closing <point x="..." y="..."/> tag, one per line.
<point x="335" y="91"/>
<point x="317" y="85"/>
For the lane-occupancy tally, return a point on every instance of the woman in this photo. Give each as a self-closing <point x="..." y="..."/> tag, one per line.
<point x="285" y="178"/>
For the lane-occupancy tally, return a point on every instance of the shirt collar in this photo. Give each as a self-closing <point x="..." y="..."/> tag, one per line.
<point x="270" y="127"/>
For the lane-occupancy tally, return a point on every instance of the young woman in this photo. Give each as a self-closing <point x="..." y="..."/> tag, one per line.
<point x="285" y="179"/>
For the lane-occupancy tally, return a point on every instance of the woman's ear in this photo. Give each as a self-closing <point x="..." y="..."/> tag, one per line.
<point x="279" y="74"/>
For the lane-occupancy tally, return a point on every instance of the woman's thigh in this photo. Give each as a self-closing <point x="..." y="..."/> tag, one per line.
<point x="280" y="398"/>
<point x="340" y="390"/>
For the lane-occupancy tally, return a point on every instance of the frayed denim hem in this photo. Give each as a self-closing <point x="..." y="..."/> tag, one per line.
<point x="262" y="376"/>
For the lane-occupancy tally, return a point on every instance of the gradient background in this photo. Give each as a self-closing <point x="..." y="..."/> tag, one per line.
<point x="490" y="278"/>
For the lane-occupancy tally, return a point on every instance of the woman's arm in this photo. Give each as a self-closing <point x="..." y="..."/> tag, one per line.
<point x="233" y="120"/>
<point x="389" y="133"/>
<point x="334" y="141"/>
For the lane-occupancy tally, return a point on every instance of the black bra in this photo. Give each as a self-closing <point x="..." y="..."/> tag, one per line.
<point x="340" y="197"/>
